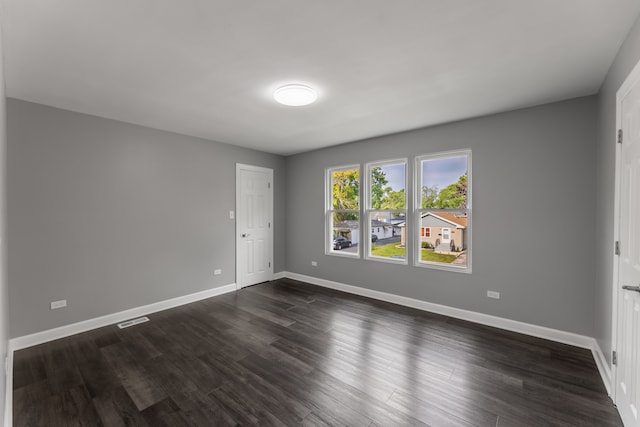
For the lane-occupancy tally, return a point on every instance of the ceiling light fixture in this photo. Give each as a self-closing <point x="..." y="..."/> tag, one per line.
<point x="295" y="95"/>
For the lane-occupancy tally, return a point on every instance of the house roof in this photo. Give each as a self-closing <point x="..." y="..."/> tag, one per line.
<point x="376" y="223"/>
<point x="350" y="224"/>
<point x="353" y="224"/>
<point x="460" y="222"/>
<point x="450" y="217"/>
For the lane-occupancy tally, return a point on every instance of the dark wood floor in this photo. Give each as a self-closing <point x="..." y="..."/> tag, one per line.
<point x="288" y="353"/>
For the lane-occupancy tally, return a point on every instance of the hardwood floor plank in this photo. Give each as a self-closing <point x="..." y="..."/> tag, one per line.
<point x="286" y="353"/>
<point x="117" y="409"/>
<point x="164" y="413"/>
<point x="235" y="373"/>
<point x="314" y="394"/>
<point x="29" y="404"/>
<point x="28" y="367"/>
<point x="429" y="413"/>
<point x="143" y="387"/>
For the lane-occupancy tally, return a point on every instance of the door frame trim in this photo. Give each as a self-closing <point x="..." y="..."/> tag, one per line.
<point x="269" y="172"/>
<point x="629" y="83"/>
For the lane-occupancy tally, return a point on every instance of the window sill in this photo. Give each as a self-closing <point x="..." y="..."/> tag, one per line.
<point x="437" y="266"/>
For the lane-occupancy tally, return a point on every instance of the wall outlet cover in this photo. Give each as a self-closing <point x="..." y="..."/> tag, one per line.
<point x="493" y="294"/>
<point x="58" y="304"/>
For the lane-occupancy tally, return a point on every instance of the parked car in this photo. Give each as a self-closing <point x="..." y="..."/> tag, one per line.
<point x="374" y="238"/>
<point x="341" y="242"/>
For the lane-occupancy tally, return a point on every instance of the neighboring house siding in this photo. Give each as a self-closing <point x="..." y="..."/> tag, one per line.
<point x="384" y="231"/>
<point x="431" y="221"/>
<point x="457" y="235"/>
<point x="349" y="229"/>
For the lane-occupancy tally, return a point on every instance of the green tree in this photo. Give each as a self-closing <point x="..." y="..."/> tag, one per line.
<point x="346" y="190"/>
<point x="429" y="196"/>
<point x="453" y="196"/>
<point x="462" y="190"/>
<point x="394" y="199"/>
<point x="378" y="181"/>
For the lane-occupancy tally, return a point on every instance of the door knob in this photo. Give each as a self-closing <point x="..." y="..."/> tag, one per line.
<point x="631" y="288"/>
<point x="245" y="234"/>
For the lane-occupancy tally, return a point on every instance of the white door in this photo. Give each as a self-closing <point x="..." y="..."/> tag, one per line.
<point x="446" y="235"/>
<point x="254" y="225"/>
<point x="627" y="377"/>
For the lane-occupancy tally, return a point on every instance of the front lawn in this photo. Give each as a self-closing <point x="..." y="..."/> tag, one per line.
<point x="390" y="250"/>
<point x="431" y="256"/>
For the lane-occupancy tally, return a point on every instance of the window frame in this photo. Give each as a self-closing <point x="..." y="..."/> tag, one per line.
<point x="367" y="209"/>
<point x="329" y="211"/>
<point x="418" y="211"/>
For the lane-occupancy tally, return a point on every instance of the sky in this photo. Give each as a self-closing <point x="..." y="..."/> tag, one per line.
<point x="439" y="172"/>
<point x="395" y="174"/>
<point x="443" y="172"/>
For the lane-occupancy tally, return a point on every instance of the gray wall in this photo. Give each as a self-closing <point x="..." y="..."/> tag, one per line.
<point x="626" y="59"/>
<point x="4" y="291"/>
<point x="111" y="216"/>
<point x="533" y="218"/>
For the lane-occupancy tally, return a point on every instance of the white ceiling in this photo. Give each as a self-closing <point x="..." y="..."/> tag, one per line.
<point x="207" y="68"/>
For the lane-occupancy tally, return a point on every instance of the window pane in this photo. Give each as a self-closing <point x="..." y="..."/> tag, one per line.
<point x="444" y="183"/>
<point x="443" y="237"/>
<point x="345" y="189"/>
<point x="386" y="232"/>
<point x="388" y="186"/>
<point x="345" y="232"/>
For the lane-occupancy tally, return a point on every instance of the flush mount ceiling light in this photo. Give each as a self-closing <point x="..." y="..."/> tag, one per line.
<point x="295" y="95"/>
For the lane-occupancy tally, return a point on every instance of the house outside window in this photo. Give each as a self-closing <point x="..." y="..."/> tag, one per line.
<point x="442" y="211"/>
<point x="386" y="209"/>
<point x="342" y="211"/>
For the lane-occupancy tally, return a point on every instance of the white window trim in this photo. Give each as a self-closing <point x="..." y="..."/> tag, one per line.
<point x="366" y="211"/>
<point x="417" y="212"/>
<point x="328" y="203"/>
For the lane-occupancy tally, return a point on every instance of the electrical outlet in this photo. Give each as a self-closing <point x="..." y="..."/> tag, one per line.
<point x="58" y="304"/>
<point x="217" y="272"/>
<point x="493" y="294"/>
<point x="232" y="214"/>
<point x="314" y="264"/>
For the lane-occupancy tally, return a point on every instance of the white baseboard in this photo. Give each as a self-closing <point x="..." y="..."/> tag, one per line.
<point x="279" y="275"/>
<point x="603" y="366"/>
<point x="109" y="319"/>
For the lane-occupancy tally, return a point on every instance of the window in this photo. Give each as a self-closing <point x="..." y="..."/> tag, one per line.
<point x="442" y="214"/>
<point x="343" y="210"/>
<point x="386" y="210"/>
<point x="437" y="229"/>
